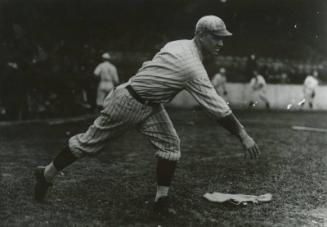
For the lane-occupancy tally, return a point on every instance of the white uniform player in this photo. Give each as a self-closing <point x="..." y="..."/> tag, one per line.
<point x="258" y="90"/>
<point x="108" y="78"/>
<point x="219" y="81"/>
<point x="309" y="89"/>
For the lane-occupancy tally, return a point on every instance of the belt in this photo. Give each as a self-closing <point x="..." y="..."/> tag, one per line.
<point x="133" y="93"/>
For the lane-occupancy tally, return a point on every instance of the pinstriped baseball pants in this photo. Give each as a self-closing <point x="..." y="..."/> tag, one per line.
<point x="123" y="112"/>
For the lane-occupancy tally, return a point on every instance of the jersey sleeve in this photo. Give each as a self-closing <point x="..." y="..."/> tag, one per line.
<point x="97" y="70"/>
<point x="201" y="88"/>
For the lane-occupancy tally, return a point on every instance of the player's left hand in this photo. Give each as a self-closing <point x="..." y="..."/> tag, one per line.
<point x="251" y="149"/>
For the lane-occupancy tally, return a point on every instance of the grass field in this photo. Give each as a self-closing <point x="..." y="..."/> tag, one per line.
<point x="116" y="188"/>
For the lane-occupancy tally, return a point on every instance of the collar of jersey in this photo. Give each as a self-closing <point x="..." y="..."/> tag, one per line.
<point x="197" y="50"/>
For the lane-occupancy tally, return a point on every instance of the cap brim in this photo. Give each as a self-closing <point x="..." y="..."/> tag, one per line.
<point x="224" y="33"/>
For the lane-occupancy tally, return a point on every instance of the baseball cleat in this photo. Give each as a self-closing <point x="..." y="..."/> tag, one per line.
<point x="41" y="186"/>
<point x="162" y="206"/>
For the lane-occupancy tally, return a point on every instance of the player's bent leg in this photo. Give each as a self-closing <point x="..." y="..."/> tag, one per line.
<point x="92" y="141"/>
<point x="160" y="131"/>
<point x="121" y="113"/>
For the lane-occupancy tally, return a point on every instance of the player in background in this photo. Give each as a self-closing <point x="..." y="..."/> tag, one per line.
<point x="219" y="81"/>
<point x="309" y="89"/>
<point x="139" y="103"/>
<point x="250" y="66"/>
<point x="258" y="90"/>
<point x="107" y="74"/>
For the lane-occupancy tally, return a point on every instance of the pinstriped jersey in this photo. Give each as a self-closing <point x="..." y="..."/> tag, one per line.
<point x="178" y="66"/>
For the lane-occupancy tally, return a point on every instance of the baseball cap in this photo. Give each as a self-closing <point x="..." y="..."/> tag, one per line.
<point x="213" y="25"/>
<point x="222" y="70"/>
<point x="106" y="56"/>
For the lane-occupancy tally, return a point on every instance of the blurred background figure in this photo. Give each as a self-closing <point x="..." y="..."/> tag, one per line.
<point x="284" y="78"/>
<point x="258" y="90"/>
<point x="107" y="75"/>
<point x="309" y="89"/>
<point x="219" y="81"/>
<point x="250" y="66"/>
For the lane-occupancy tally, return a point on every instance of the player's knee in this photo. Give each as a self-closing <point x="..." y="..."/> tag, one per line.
<point x="172" y="151"/>
<point x="169" y="155"/>
<point x="80" y="148"/>
<point x="74" y="148"/>
<point x="177" y="143"/>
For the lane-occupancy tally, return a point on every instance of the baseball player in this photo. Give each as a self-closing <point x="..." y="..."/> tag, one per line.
<point x="258" y="90"/>
<point x="309" y="89"/>
<point x="219" y="82"/>
<point x="138" y="104"/>
<point x="108" y="78"/>
<point x="250" y="66"/>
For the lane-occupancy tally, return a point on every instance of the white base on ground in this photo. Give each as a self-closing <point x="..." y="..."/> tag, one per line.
<point x="238" y="199"/>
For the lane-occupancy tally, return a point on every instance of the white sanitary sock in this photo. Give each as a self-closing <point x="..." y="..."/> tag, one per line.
<point x="161" y="191"/>
<point x="50" y="172"/>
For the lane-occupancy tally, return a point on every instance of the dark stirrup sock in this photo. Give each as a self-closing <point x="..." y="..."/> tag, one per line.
<point x="165" y="171"/>
<point x="64" y="159"/>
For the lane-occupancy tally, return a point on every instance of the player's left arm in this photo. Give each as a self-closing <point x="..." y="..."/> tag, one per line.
<point x="203" y="91"/>
<point x="232" y="124"/>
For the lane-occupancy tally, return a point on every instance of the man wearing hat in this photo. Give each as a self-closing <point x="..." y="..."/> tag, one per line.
<point x="138" y="104"/>
<point x="310" y="85"/>
<point x="107" y="74"/>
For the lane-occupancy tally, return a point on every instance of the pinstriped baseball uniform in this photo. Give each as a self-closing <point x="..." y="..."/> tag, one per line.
<point x="177" y="66"/>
